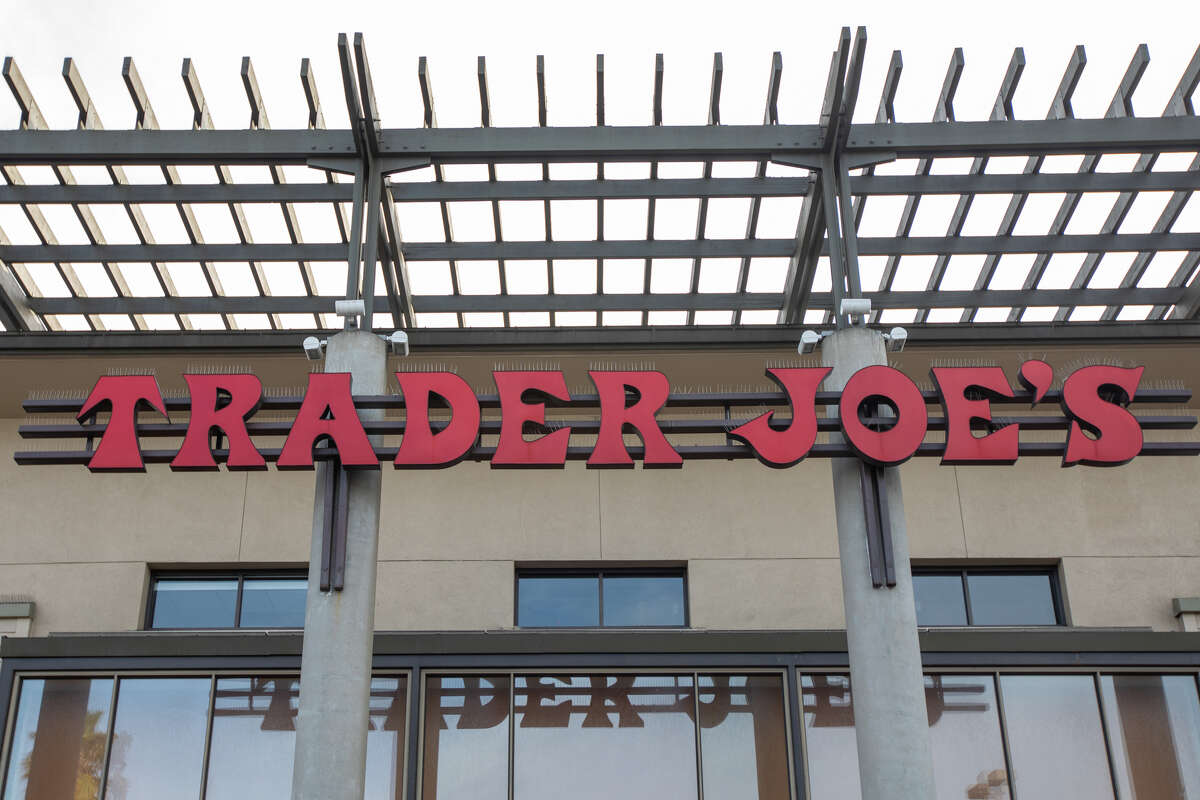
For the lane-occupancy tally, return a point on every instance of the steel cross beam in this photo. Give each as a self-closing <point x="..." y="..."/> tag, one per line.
<point x="830" y="208"/>
<point x="381" y="229"/>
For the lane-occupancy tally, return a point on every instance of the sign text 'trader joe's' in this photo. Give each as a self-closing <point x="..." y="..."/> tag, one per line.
<point x="1093" y="398"/>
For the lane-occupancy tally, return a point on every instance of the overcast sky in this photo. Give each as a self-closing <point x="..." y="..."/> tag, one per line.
<point x="216" y="34"/>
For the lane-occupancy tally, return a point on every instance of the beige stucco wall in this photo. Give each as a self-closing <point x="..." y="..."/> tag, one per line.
<point x="760" y="544"/>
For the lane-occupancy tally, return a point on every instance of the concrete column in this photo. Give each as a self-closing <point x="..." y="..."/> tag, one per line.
<point x="335" y="672"/>
<point x="894" y="756"/>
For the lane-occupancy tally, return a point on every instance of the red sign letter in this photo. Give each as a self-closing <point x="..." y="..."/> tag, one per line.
<point x="898" y="443"/>
<point x="783" y="448"/>
<point x="652" y="389"/>
<point x="244" y="394"/>
<point x="327" y="413"/>
<point x="513" y="450"/>
<point x="1118" y="434"/>
<point x="118" y="450"/>
<point x="421" y="447"/>
<point x="962" y="446"/>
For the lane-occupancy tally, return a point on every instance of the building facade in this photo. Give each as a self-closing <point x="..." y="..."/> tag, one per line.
<point x="578" y="632"/>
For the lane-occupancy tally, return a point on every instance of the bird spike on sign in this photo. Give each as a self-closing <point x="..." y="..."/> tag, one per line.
<point x="882" y="416"/>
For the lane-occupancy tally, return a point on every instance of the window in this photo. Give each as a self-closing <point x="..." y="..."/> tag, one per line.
<point x="601" y="598"/>
<point x="635" y="736"/>
<point x="227" y="600"/>
<point x="161" y="738"/>
<point x="987" y="596"/>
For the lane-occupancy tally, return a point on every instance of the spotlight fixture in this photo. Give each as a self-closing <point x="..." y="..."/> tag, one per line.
<point x="350" y="308"/>
<point x="808" y="342"/>
<point x="896" y="339"/>
<point x="398" y="343"/>
<point x="859" y="307"/>
<point x="314" y="348"/>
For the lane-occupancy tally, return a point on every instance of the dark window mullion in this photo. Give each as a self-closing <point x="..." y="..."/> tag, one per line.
<point x="966" y="586"/>
<point x="237" y="608"/>
<point x="600" y="588"/>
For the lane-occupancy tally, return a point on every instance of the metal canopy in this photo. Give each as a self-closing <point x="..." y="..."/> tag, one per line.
<point x="605" y="231"/>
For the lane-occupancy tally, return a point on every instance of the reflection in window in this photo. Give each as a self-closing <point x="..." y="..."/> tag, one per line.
<point x="385" y="739"/>
<point x="1154" y="733"/>
<point x="253" y="738"/>
<point x="195" y="604"/>
<point x="643" y="600"/>
<point x="986" y="596"/>
<point x="58" y="739"/>
<point x="466" y="738"/>
<point x="273" y="603"/>
<point x="604" y="736"/>
<point x="939" y="599"/>
<point x="618" y="598"/>
<point x="964" y="732"/>
<point x="1011" y="599"/>
<point x="558" y="601"/>
<point x="158" y="739"/>
<point x="1054" y="737"/>
<point x="227" y="600"/>
<point x="743" y="738"/>
<point x="829" y="737"/>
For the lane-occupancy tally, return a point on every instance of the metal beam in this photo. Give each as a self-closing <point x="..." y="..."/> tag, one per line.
<point x="666" y="143"/>
<point x="634" y="248"/>
<point x="609" y="302"/>
<point x="981" y="335"/>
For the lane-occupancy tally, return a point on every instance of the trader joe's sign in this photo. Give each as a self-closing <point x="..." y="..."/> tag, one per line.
<point x="881" y="417"/>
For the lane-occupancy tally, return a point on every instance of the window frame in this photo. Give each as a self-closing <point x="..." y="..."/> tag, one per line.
<point x="1050" y="571"/>
<point x="600" y="572"/>
<point x="241" y="576"/>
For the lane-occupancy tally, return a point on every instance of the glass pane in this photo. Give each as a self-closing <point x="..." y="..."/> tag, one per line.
<point x="939" y="600"/>
<point x="253" y="738"/>
<point x="194" y="604"/>
<point x="1054" y="737"/>
<point x="595" y="737"/>
<point x="1154" y="729"/>
<point x="643" y="600"/>
<point x="273" y="603"/>
<point x="1011" y="600"/>
<point x="964" y="731"/>
<point x="158" y="739"/>
<point x="743" y="737"/>
<point x="58" y="739"/>
<point x="563" y="602"/>
<point x="466" y="738"/>
<point x="385" y="739"/>
<point x="829" y="737"/>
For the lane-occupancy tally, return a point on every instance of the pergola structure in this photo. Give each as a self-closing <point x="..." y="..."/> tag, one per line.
<point x="775" y="220"/>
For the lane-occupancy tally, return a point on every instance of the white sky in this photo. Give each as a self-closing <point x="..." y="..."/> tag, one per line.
<point x="216" y="34"/>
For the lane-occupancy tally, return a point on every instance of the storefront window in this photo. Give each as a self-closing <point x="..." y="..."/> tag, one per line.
<point x="466" y="738"/>
<point x="830" y="745"/>
<point x="603" y="736"/>
<point x="1054" y="737"/>
<point x="723" y="736"/>
<point x="157" y="750"/>
<point x="743" y="738"/>
<point x="1153" y="724"/>
<point x="964" y="732"/>
<point x="253" y="738"/>
<point x="599" y="736"/>
<point x="59" y="739"/>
